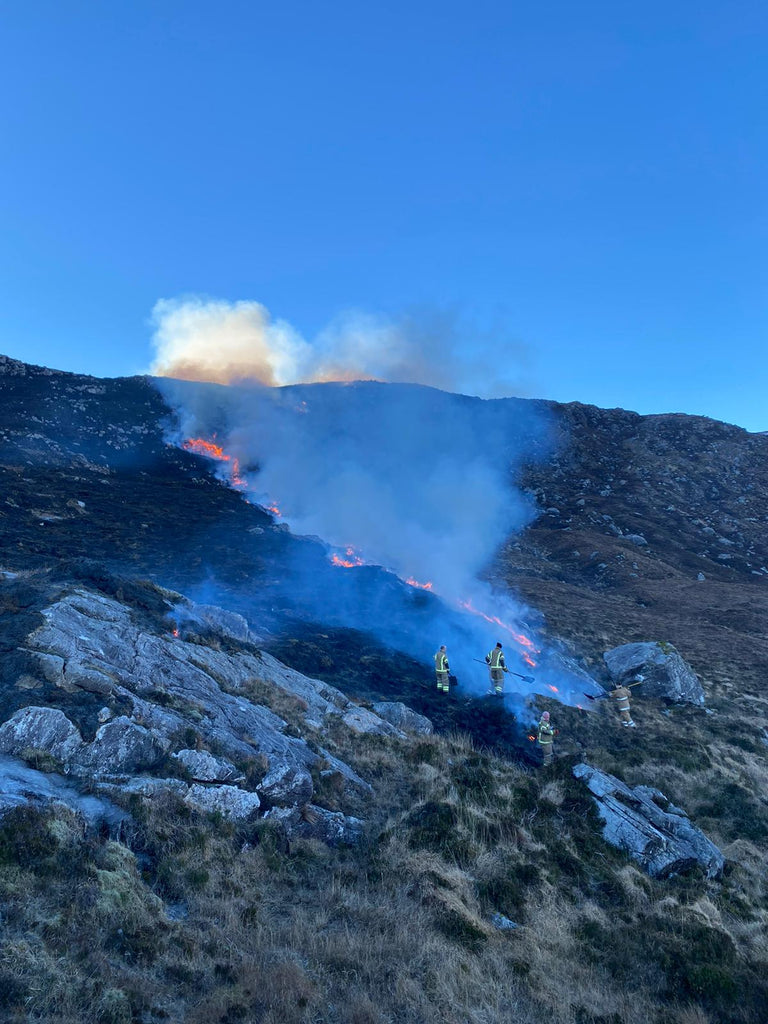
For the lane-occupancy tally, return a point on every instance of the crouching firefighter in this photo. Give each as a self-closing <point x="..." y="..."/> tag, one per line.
<point x="546" y="738"/>
<point x="497" y="667"/>
<point x="442" y="670"/>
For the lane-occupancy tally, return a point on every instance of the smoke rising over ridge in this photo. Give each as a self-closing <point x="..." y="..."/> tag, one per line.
<point x="417" y="481"/>
<point x="204" y="339"/>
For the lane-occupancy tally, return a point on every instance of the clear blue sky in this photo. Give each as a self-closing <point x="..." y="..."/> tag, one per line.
<point x="592" y="175"/>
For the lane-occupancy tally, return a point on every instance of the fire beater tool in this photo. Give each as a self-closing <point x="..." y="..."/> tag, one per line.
<point x="527" y="679"/>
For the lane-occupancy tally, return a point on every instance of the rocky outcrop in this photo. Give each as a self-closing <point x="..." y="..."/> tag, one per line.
<point x="226" y="800"/>
<point x="331" y="827"/>
<point x="41" y="729"/>
<point x="287" y="785"/>
<point x="665" y="673"/>
<point x="403" y="718"/>
<point x="655" y="833"/>
<point x="164" y="697"/>
<point x="204" y="767"/>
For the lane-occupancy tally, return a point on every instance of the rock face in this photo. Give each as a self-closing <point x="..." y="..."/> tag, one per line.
<point x="157" y="701"/>
<point x="331" y="827"/>
<point x="287" y="785"/>
<point x="403" y="718"/>
<point x="226" y="800"/>
<point x="204" y="767"/>
<point x="665" y="672"/>
<point x="40" y="729"/>
<point x="655" y="833"/>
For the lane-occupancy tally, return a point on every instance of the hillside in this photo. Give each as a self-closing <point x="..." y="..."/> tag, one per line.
<point x="115" y="548"/>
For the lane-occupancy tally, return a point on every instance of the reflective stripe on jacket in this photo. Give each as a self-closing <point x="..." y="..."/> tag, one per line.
<point x="495" y="658"/>
<point x="621" y="696"/>
<point x="441" y="662"/>
<point x="546" y="734"/>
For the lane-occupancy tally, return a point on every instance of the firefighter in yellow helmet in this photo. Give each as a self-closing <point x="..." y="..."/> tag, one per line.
<point x="546" y="738"/>
<point x="442" y="670"/>
<point x="497" y="667"/>
<point x="621" y="695"/>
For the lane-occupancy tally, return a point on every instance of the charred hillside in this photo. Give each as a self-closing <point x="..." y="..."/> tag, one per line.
<point x="212" y="811"/>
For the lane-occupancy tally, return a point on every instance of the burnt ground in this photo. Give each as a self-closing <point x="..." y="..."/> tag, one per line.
<point x="87" y="482"/>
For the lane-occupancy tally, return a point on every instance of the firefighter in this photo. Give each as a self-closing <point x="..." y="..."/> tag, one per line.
<point x="442" y="670"/>
<point x="497" y="667"/>
<point x="621" y="695"/>
<point x="546" y="738"/>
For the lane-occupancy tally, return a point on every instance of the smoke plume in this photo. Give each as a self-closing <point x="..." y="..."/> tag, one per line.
<point x="203" y="339"/>
<point x="410" y="479"/>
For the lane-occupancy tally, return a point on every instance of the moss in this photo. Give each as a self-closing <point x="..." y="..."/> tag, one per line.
<point x="434" y="826"/>
<point x="460" y="929"/>
<point x="27" y="840"/>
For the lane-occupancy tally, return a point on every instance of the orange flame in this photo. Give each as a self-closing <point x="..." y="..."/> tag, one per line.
<point x="532" y="739"/>
<point x="519" y="638"/>
<point x="209" y="450"/>
<point x="175" y="632"/>
<point x="273" y="508"/>
<point x="554" y="689"/>
<point x="200" y="446"/>
<point x="350" y="562"/>
<point x="415" y="583"/>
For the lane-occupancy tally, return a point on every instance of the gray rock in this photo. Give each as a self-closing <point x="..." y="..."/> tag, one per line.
<point x="287" y="785"/>
<point x="204" y="767"/>
<point x="365" y="722"/>
<point x="330" y="827"/>
<point x="503" y="923"/>
<point x="120" y="747"/>
<point x="700" y="577"/>
<point x="41" y="729"/>
<point x="665" y="673"/>
<point x="655" y="833"/>
<point x="403" y="718"/>
<point x="21" y="786"/>
<point x="636" y="538"/>
<point x="226" y="800"/>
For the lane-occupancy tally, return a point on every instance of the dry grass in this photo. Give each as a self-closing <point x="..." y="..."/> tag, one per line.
<point x="398" y="931"/>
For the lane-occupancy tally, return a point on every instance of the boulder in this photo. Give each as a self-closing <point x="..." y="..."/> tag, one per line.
<point x="330" y="827"/>
<point x="365" y="722"/>
<point x="204" y="767"/>
<point x="403" y="718"/>
<point x="227" y="800"/>
<point x="651" y="830"/>
<point x="665" y="673"/>
<point x="287" y="785"/>
<point x="120" y="747"/>
<point x="41" y="729"/>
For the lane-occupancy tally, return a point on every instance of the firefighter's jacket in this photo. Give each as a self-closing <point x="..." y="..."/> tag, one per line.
<point x="495" y="659"/>
<point x="441" y="662"/>
<point x="546" y="734"/>
<point x="621" y="695"/>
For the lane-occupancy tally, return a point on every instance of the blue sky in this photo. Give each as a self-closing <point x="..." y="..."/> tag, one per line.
<point x="586" y="181"/>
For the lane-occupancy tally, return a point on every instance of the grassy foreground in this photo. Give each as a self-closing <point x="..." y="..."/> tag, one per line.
<point x="193" y="919"/>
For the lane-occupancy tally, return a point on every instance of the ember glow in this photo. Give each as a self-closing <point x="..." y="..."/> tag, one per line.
<point x="210" y="450"/>
<point x="520" y="638"/>
<point x="351" y="561"/>
<point x="421" y="586"/>
<point x="554" y="689"/>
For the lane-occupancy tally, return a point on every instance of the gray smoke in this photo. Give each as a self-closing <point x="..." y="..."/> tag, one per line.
<point x="418" y="481"/>
<point x="204" y="339"/>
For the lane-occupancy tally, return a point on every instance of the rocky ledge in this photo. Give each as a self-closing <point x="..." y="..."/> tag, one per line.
<point x="197" y="719"/>
<point x="649" y="828"/>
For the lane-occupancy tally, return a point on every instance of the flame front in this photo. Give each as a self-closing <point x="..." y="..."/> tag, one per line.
<point x="210" y="450"/>
<point x="520" y="638"/>
<point x="421" y="586"/>
<point x="351" y="561"/>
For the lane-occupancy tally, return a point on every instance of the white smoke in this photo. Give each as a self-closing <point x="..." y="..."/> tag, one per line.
<point x="212" y="340"/>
